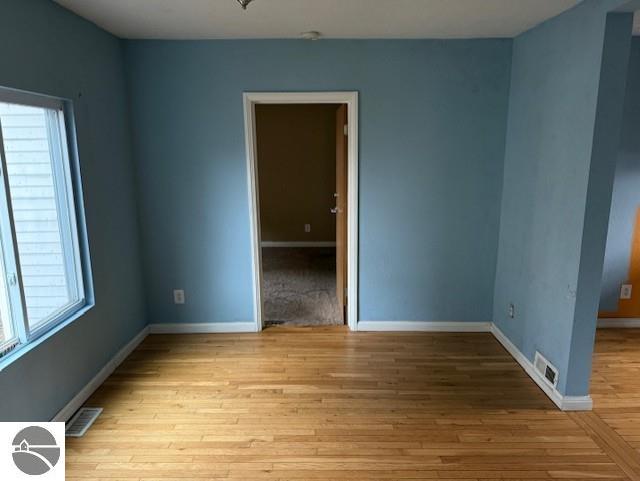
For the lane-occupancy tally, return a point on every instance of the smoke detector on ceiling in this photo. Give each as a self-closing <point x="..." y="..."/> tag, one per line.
<point x="313" y="35"/>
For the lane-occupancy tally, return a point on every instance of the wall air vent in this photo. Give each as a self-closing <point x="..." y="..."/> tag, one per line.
<point x="547" y="371"/>
<point x="81" y="422"/>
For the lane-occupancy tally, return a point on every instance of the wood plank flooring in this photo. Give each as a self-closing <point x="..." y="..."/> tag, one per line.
<point x="326" y="404"/>
<point x="615" y="383"/>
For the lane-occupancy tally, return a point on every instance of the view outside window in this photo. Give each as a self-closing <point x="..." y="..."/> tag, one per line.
<point x="41" y="275"/>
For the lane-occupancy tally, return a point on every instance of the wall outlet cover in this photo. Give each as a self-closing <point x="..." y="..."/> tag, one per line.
<point x="307" y="227"/>
<point x="178" y="296"/>
<point x="511" y="311"/>
<point x="625" y="291"/>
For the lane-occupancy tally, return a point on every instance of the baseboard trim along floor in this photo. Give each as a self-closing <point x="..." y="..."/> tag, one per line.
<point x="202" y="328"/>
<point x="79" y="399"/>
<point x="565" y="403"/>
<point x="615" y="322"/>
<point x="269" y="244"/>
<point x="424" y="326"/>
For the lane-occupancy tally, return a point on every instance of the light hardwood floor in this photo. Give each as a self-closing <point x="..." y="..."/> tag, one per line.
<point x="325" y="404"/>
<point x="615" y="388"/>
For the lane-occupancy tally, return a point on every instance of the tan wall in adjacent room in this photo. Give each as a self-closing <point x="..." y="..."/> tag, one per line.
<point x="296" y="147"/>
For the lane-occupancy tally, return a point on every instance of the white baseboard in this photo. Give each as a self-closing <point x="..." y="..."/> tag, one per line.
<point x="565" y="403"/>
<point x="79" y="399"/>
<point x="297" y="244"/>
<point x="628" y="323"/>
<point x="424" y="326"/>
<point x="202" y="328"/>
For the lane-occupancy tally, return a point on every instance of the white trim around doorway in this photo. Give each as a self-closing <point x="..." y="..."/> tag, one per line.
<point x="251" y="99"/>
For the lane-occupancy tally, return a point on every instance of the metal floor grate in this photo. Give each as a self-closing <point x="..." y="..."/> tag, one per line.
<point x="81" y="422"/>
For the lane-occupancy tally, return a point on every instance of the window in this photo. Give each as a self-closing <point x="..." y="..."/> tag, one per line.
<point x="40" y="266"/>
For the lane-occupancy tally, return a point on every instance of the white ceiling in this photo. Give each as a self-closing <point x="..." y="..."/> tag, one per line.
<point x="199" y="19"/>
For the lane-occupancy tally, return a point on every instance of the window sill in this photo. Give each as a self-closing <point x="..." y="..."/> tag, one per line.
<point x="23" y="349"/>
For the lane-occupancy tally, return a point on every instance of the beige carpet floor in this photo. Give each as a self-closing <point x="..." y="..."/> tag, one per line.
<point x="299" y="286"/>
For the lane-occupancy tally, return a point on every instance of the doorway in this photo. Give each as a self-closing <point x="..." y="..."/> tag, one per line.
<point x="619" y="303"/>
<point x="615" y="386"/>
<point x="304" y="270"/>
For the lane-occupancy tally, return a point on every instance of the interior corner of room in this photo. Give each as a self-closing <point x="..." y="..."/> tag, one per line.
<point x="262" y="238"/>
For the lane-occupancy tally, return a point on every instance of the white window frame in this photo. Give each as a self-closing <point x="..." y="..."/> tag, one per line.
<point x="68" y="221"/>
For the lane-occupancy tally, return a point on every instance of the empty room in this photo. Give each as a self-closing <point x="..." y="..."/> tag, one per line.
<point x="320" y="240"/>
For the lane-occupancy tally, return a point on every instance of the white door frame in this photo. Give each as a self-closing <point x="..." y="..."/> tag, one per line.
<point x="351" y="100"/>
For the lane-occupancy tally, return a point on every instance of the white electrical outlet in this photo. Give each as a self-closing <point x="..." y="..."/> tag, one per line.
<point x="307" y="227"/>
<point x="625" y="291"/>
<point x="178" y="296"/>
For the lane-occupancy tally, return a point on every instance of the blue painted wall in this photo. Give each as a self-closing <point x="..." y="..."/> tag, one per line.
<point x="555" y="186"/>
<point x="435" y="219"/>
<point x="46" y="49"/>
<point x="626" y="191"/>
<point x="605" y="145"/>
<point x="432" y="128"/>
